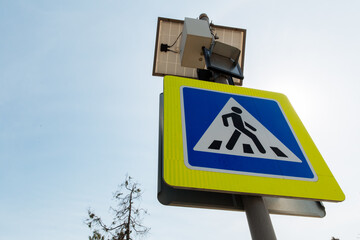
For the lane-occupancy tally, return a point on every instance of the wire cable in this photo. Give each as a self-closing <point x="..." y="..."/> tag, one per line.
<point x="175" y="41"/>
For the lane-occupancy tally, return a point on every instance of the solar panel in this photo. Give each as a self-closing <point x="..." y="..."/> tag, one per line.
<point x="169" y="63"/>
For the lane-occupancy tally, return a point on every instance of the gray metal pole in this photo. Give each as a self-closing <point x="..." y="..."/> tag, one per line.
<point x="258" y="218"/>
<point x="256" y="212"/>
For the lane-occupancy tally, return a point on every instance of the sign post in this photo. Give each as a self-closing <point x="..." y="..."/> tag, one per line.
<point x="227" y="147"/>
<point x="236" y="140"/>
<point x="258" y="218"/>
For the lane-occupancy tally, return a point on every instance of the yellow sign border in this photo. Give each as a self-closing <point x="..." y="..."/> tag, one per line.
<point x="177" y="175"/>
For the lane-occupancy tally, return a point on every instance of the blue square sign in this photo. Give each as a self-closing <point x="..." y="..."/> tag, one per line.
<point x="240" y="134"/>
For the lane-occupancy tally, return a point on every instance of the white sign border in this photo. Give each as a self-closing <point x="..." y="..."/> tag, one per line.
<point x="187" y="164"/>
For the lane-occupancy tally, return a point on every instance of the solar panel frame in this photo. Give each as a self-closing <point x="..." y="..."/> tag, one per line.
<point x="169" y="63"/>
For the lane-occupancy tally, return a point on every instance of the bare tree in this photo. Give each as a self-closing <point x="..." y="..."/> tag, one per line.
<point x="127" y="217"/>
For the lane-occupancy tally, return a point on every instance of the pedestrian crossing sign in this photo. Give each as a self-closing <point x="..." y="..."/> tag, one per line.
<point x="233" y="139"/>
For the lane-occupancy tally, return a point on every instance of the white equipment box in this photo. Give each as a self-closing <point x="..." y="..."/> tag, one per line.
<point x="195" y="35"/>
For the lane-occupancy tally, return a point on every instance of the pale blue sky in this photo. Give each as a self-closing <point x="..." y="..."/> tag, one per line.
<point x="79" y="109"/>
